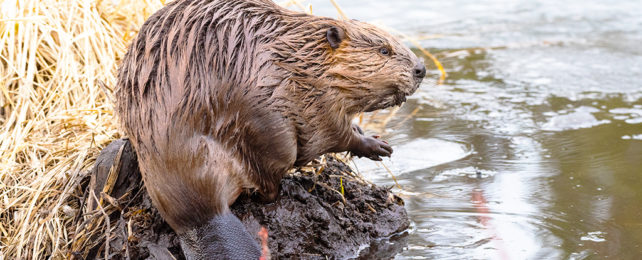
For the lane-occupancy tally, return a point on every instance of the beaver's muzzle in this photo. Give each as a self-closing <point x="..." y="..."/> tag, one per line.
<point x="419" y="71"/>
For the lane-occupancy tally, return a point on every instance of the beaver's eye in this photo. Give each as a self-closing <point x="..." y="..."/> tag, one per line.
<point x="384" y="51"/>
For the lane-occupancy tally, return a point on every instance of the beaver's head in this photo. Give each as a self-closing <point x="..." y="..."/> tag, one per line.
<point x="371" y="64"/>
<point x="355" y="64"/>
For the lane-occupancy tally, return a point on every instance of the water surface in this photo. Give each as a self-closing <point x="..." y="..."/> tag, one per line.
<point x="532" y="149"/>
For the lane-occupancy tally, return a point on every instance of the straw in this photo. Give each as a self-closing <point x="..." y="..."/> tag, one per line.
<point x="54" y="118"/>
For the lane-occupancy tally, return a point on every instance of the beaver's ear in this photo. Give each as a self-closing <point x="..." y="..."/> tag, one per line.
<point x="335" y="36"/>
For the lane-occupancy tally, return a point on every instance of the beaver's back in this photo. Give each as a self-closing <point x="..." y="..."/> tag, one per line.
<point x="195" y="56"/>
<point x="188" y="84"/>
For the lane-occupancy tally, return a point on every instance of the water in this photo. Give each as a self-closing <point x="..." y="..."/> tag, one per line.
<point x="532" y="149"/>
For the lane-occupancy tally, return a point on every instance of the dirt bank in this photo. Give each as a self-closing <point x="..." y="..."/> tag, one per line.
<point x="322" y="210"/>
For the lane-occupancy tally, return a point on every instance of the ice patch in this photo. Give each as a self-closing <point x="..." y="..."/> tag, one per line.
<point x="632" y="137"/>
<point x="626" y="111"/>
<point x="416" y="155"/>
<point x="634" y="121"/>
<point x="631" y="116"/>
<point x="582" y="117"/>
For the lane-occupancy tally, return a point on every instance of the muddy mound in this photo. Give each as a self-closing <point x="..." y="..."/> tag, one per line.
<point x="323" y="210"/>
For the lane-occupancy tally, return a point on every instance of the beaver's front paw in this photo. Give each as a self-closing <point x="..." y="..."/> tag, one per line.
<point x="372" y="148"/>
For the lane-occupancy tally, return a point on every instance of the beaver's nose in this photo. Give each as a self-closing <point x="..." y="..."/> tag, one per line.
<point x="419" y="70"/>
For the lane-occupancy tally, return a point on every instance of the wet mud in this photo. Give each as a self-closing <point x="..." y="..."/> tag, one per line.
<point x="324" y="211"/>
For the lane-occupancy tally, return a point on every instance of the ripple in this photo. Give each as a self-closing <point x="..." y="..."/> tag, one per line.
<point x="596" y="236"/>
<point x="469" y="172"/>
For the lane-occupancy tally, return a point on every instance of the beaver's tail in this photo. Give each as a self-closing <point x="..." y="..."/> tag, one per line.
<point x="223" y="237"/>
<point x="192" y="185"/>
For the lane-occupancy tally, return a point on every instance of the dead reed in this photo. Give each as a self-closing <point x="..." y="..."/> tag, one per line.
<point x="54" y="116"/>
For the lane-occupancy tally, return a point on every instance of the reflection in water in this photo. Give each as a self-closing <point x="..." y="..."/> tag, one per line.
<point x="533" y="147"/>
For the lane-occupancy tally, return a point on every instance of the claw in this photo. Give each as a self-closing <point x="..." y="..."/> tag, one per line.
<point x="373" y="148"/>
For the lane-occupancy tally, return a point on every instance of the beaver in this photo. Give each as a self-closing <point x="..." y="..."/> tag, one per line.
<point x="223" y="96"/>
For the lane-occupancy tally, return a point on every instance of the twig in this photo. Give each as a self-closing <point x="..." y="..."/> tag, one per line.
<point x="437" y="63"/>
<point x="107" y="222"/>
<point x="331" y="189"/>
<point x="342" y="15"/>
<point x="412" y="114"/>
<point x="391" y="174"/>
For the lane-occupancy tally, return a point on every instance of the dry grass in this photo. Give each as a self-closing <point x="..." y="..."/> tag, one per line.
<point x="54" y="117"/>
<point x="54" y="114"/>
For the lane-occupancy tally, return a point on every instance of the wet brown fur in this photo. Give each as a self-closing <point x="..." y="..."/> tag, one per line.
<point x="220" y="96"/>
